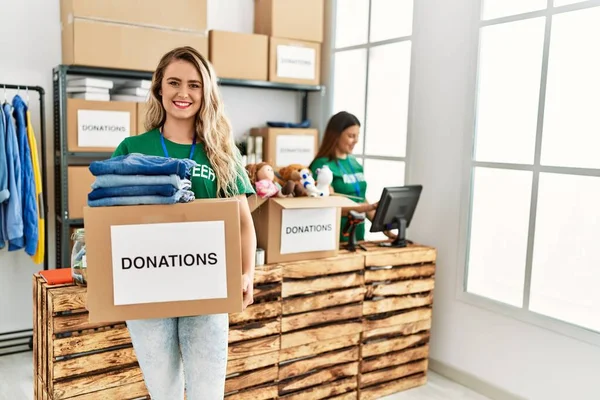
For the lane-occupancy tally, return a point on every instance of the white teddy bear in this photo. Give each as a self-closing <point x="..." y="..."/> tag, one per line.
<point x="324" y="179"/>
<point x="309" y="183"/>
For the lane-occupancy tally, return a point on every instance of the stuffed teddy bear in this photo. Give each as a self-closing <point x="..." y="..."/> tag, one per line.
<point x="308" y="183"/>
<point x="324" y="179"/>
<point x="263" y="178"/>
<point x="290" y="179"/>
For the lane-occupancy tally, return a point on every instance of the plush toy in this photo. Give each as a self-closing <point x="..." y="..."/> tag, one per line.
<point x="263" y="178"/>
<point x="308" y="183"/>
<point x="324" y="179"/>
<point x="290" y="180"/>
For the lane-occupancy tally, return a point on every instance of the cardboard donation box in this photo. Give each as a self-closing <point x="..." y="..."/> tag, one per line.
<point x="159" y="261"/>
<point x="291" y="19"/>
<point x="237" y="55"/>
<point x="285" y="146"/>
<point x="188" y="15"/>
<point x="294" y="61"/>
<point x="99" y="125"/>
<point x="79" y="180"/>
<point x="142" y="109"/>
<point x="128" y="34"/>
<point x="300" y="228"/>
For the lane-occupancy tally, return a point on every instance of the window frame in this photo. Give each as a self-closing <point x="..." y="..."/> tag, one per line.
<point x="332" y="50"/>
<point x="523" y="313"/>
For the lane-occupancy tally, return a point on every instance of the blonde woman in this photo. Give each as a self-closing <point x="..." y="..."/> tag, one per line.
<point x="185" y="119"/>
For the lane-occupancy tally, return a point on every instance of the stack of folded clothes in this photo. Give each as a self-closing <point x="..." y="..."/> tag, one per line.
<point x="134" y="179"/>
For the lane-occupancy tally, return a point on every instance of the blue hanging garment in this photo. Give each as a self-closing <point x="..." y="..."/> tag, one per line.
<point x="13" y="208"/>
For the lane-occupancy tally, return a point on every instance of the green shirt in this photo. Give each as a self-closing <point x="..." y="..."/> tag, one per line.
<point x="203" y="178"/>
<point x="348" y="178"/>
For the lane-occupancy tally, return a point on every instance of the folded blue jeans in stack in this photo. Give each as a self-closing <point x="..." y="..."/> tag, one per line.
<point x="135" y="179"/>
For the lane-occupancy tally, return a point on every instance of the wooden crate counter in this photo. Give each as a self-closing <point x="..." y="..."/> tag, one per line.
<point x="397" y="318"/>
<point x="255" y="340"/>
<point x="321" y="326"/>
<point x="74" y="359"/>
<point x="355" y="326"/>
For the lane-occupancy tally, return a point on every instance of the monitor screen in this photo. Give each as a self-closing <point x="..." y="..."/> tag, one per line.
<point x="396" y="209"/>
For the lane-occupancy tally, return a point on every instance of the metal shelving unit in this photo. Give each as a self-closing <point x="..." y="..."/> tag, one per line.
<point x="64" y="157"/>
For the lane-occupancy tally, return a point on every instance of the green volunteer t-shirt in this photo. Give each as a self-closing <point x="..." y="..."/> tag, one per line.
<point x="203" y="178"/>
<point x="348" y="179"/>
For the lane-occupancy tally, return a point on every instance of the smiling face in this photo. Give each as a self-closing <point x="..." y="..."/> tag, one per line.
<point x="181" y="90"/>
<point x="348" y="139"/>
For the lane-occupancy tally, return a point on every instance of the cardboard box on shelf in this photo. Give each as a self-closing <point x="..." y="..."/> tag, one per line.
<point x="239" y="55"/>
<point x="142" y="109"/>
<point x="294" y="61"/>
<point x="290" y="19"/>
<point x="285" y="146"/>
<point x="112" y="45"/>
<point x="148" y="261"/>
<point x="80" y="180"/>
<point x="178" y="14"/>
<point x="99" y="126"/>
<point x="300" y="228"/>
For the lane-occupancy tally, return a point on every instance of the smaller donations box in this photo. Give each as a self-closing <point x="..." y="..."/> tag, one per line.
<point x="299" y="228"/>
<point x="158" y="261"/>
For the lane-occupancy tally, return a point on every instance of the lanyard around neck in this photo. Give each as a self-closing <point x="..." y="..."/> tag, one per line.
<point x="164" y="146"/>
<point x="343" y="171"/>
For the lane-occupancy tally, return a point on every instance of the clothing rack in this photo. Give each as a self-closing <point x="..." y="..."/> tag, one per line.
<point x="22" y="340"/>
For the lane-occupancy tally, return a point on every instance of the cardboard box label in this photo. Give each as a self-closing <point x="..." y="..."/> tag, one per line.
<point x="99" y="128"/>
<point x="308" y="230"/>
<point x="164" y="262"/>
<point x="296" y="62"/>
<point x="294" y="149"/>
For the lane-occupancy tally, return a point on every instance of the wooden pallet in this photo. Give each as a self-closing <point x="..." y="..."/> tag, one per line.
<point x="397" y="319"/>
<point x="74" y="359"/>
<point x="254" y="341"/>
<point x="322" y="299"/>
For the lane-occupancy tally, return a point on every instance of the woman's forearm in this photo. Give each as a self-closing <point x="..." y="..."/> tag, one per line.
<point x="361" y="208"/>
<point x="371" y="214"/>
<point x="248" y="239"/>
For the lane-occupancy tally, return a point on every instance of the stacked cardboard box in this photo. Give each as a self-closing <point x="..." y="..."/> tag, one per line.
<point x="295" y="30"/>
<point x="281" y="147"/>
<point x="237" y="55"/>
<point x="130" y="34"/>
<point x="285" y="46"/>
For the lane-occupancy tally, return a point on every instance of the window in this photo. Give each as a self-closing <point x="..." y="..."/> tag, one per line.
<point x="371" y="59"/>
<point x="534" y="217"/>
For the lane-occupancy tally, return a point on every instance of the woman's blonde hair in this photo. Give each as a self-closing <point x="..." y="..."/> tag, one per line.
<point x="212" y="126"/>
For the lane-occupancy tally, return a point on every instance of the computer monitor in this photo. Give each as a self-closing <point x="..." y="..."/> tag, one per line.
<point x="395" y="211"/>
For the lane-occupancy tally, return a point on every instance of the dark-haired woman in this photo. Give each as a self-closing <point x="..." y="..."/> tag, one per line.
<point x="341" y="135"/>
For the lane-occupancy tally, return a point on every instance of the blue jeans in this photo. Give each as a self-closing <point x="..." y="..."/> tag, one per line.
<point x="182" y="196"/>
<point x="133" y="190"/>
<point x="113" y="180"/>
<point x="140" y="164"/>
<point x="189" y="352"/>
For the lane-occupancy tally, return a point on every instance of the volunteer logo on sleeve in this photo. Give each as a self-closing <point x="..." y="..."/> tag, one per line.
<point x="165" y="262"/>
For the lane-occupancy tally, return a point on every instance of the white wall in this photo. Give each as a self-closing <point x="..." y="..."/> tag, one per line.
<point x="31" y="47"/>
<point x="528" y="361"/>
<point x="30" y="39"/>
